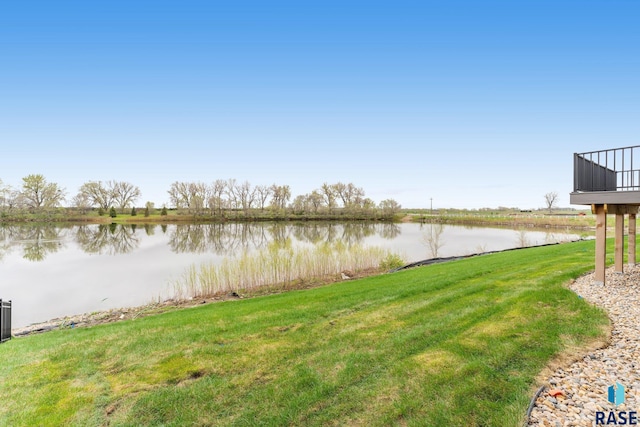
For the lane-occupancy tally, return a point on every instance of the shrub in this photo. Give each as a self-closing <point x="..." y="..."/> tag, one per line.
<point x="391" y="261"/>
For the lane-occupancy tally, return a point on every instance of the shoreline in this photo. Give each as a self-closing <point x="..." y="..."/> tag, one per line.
<point x="86" y="320"/>
<point x="131" y="313"/>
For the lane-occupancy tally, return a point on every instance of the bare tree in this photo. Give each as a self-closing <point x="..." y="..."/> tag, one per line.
<point x="97" y="193"/>
<point x="179" y="194"/>
<point x="5" y="194"/>
<point x="13" y="199"/>
<point x="198" y="195"/>
<point x="40" y="194"/>
<point x="232" y="193"/>
<point x="125" y="194"/>
<point x="350" y="195"/>
<point x="262" y="194"/>
<point x="551" y="200"/>
<point x="216" y="191"/>
<point x="246" y="195"/>
<point x="280" y="195"/>
<point x="329" y="196"/>
<point x="339" y="190"/>
<point x="82" y="202"/>
<point x="316" y="200"/>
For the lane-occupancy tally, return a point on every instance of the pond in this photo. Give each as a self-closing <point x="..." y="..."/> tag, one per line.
<point x="51" y="271"/>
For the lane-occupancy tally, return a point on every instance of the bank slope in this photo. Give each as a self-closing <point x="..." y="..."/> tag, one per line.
<point x="449" y="344"/>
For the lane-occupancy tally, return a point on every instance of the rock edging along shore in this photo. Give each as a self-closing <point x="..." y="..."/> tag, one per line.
<point x="578" y="395"/>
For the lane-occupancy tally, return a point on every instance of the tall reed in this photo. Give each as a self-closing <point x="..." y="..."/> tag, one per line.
<point x="282" y="265"/>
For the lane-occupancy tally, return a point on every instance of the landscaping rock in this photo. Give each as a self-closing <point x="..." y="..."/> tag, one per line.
<point x="584" y="384"/>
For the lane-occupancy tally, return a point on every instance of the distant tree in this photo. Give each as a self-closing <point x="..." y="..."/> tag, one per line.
<point x="232" y="193"/>
<point x="125" y="194"/>
<point x="262" y="194"/>
<point x="551" y="200"/>
<point x="134" y="212"/>
<point x="9" y="197"/>
<point x="37" y="193"/>
<point x="350" y="195"/>
<point x="198" y="193"/>
<point x="179" y="194"/>
<point x="4" y="192"/>
<point x="280" y="196"/>
<point x="98" y="193"/>
<point x="300" y="204"/>
<point x="216" y="201"/>
<point x="112" y="212"/>
<point x="316" y="200"/>
<point x="100" y="211"/>
<point x="189" y="195"/>
<point x="366" y="203"/>
<point x="81" y="202"/>
<point x="246" y="195"/>
<point x="329" y="196"/>
<point x="164" y="212"/>
<point x="389" y="207"/>
<point x="147" y="209"/>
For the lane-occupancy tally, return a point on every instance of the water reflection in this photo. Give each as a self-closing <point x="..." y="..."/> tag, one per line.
<point x="37" y="242"/>
<point x="227" y="239"/>
<point x="85" y="271"/>
<point x="107" y="238"/>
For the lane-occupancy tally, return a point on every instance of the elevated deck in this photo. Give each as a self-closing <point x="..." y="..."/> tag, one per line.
<point x="605" y="197"/>
<point x="609" y="182"/>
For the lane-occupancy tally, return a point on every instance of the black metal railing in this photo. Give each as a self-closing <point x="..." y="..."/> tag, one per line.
<point x="607" y="170"/>
<point x="5" y="321"/>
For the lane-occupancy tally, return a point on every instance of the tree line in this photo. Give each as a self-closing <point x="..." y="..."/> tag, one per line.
<point x="220" y="198"/>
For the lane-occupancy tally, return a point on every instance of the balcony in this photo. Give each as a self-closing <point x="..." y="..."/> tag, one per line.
<point x="609" y="181"/>
<point x="607" y="177"/>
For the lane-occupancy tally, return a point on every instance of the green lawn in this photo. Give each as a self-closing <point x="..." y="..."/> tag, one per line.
<point x="450" y="344"/>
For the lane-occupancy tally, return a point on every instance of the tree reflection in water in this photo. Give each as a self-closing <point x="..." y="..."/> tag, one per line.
<point x="37" y="241"/>
<point x="231" y="238"/>
<point x="109" y="239"/>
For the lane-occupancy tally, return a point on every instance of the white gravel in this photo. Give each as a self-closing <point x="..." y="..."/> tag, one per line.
<point x="584" y="383"/>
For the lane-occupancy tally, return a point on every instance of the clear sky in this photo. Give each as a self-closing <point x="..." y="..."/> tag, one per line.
<point x="471" y="103"/>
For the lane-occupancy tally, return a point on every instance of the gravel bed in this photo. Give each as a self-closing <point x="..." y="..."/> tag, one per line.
<point x="575" y="393"/>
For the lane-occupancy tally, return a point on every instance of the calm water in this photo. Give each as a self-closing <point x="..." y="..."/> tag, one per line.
<point x="52" y="271"/>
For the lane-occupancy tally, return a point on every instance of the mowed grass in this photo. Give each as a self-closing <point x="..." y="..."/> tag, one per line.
<point x="458" y="344"/>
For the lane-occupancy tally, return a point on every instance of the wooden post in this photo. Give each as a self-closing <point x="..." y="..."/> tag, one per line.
<point x="619" y="244"/>
<point x="601" y="241"/>
<point x="632" y="239"/>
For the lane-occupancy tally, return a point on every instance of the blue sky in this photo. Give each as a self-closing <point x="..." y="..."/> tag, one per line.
<point x="471" y="103"/>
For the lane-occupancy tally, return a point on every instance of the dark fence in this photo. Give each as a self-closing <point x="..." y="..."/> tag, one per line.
<point x="5" y="321"/>
<point x="607" y="170"/>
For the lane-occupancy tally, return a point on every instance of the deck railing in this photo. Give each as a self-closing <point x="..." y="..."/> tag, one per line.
<point x="607" y="170"/>
<point x="5" y="321"/>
